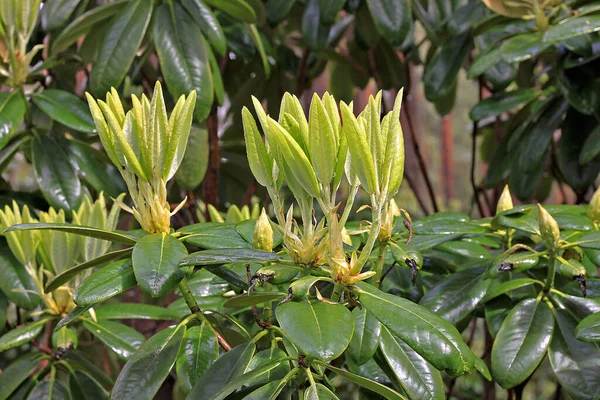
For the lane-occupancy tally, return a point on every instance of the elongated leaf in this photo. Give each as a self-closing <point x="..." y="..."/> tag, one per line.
<point x="90" y="169"/>
<point x="15" y="281"/>
<point x="55" y="174"/>
<point x="238" y="9"/>
<point x="319" y="330"/>
<point x="365" y="339"/>
<point x="269" y="391"/>
<point x="156" y="260"/>
<point x="576" y="364"/>
<point x="258" y="159"/>
<point x="21" y="335"/>
<point x="144" y="373"/>
<point x="208" y="23"/>
<point x="319" y="392"/>
<point x="416" y="376"/>
<point x="65" y="108"/>
<point x="214" y="235"/>
<point x="67" y="275"/>
<point x="232" y="364"/>
<point x="502" y="102"/>
<point x="77" y="230"/>
<point x="257" y="40"/>
<point x="226" y="256"/>
<point x="572" y="28"/>
<point x="133" y="311"/>
<point x="83" y="386"/>
<point x="195" y="160"/>
<point x="522" y="47"/>
<point x="121" y="43"/>
<point x="12" y="110"/>
<point x="443" y="346"/>
<point x="82" y="24"/>
<point x="72" y="316"/>
<point x="392" y="19"/>
<point x="17" y="372"/>
<point x="105" y="283"/>
<point x="183" y="57"/>
<point x="588" y="329"/>
<point x="49" y="390"/>
<point x="120" y="338"/>
<point x="505" y="287"/>
<point x="199" y="351"/>
<point x="521" y="342"/>
<point x="322" y="141"/>
<point x="249" y="299"/>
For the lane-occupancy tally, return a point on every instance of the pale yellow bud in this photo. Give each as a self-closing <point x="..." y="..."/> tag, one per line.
<point x="594" y="208"/>
<point x="548" y="228"/>
<point x="505" y="201"/>
<point x="263" y="233"/>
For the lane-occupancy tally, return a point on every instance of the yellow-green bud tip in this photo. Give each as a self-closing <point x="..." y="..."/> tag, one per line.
<point x="263" y="233"/>
<point x="548" y="228"/>
<point x="594" y="208"/>
<point x="505" y="201"/>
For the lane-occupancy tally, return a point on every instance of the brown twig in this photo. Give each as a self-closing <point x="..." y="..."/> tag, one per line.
<point x="476" y="190"/>
<point x="249" y="193"/>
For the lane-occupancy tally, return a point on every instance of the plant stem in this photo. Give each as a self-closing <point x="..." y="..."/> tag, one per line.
<point x="348" y="208"/>
<point x="375" y="227"/>
<point x="379" y="265"/>
<point x="551" y="272"/>
<point x="337" y="292"/>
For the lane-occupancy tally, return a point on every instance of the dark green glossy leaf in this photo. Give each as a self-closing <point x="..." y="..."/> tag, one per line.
<point x="246" y="230"/>
<point x="224" y="272"/>
<point x="214" y="235"/>
<point x="268" y="356"/>
<point x="199" y="351"/>
<point x="72" y="316"/>
<point x="314" y="33"/>
<point x="318" y="329"/>
<point x="249" y="299"/>
<point x="90" y="169"/>
<point x="120" y="45"/>
<point x="591" y="146"/>
<point x="575" y="363"/>
<point x="84" y="387"/>
<point x="231" y="365"/>
<point x="238" y="9"/>
<point x="502" y="102"/>
<point x="49" y="390"/>
<point x="496" y="311"/>
<point x="77" y="230"/>
<point x="277" y="10"/>
<point x="418" y="379"/>
<point x="365" y="339"/>
<point x="121" y="339"/>
<point x="15" y="281"/>
<point x="443" y="346"/>
<point x="522" y="47"/>
<point x="183" y="58"/>
<point x="81" y="362"/>
<point x="21" y="335"/>
<point x="427" y="242"/>
<point x="464" y="249"/>
<point x="84" y="23"/>
<point x="66" y="108"/>
<point x="195" y="160"/>
<point x="133" y="311"/>
<point x="208" y="23"/>
<point x="466" y="17"/>
<point x="521" y="342"/>
<point x="588" y="329"/>
<point x="392" y="19"/>
<point x="506" y="287"/>
<point x="156" y="263"/>
<point x="446" y="227"/>
<point x="441" y="71"/>
<point x="392" y="71"/>
<point x="12" y="110"/>
<point x="67" y="275"/>
<point x="457" y="295"/>
<point x="319" y="392"/>
<point x="300" y="288"/>
<point x="105" y="283"/>
<point x="144" y="373"/>
<point x="484" y="61"/>
<point x="55" y="175"/>
<point x="227" y="256"/>
<point x="572" y="28"/>
<point x="16" y="373"/>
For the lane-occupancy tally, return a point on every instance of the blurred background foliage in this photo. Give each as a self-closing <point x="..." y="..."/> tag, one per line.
<point x="496" y="92"/>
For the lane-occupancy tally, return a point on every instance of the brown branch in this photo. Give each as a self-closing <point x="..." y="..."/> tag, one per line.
<point x="473" y="162"/>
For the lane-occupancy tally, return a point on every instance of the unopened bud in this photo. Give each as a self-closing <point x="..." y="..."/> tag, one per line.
<point x="594" y="208"/>
<point x="263" y="233"/>
<point x="548" y="228"/>
<point x="505" y="201"/>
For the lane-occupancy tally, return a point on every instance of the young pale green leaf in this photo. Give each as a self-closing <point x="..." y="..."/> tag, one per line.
<point x="361" y="158"/>
<point x="121" y="339"/>
<point x="588" y="329"/>
<point x="258" y="158"/>
<point x="521" y="342"/>
<point x="66" y="108"/>
<point x="77" y="230"/>
<point x="200" y="349"/>
<point x="156" y="260"/>
<point x="21" y="335"/>
<point x="144" y="373"/>
<point x="180" y="125"/>
<point x="258" y="43"/>
<point x="322" y="144"/>
<point x="291" y="105"/>
<point x="319" y="392"/>
<point x="210" y="26"/>
<point x="416" y="376"/>
<point x="393" y="166"/>
<point x="443" y="346"/>
<point x="319" y="330"/>
<point x="105" y="283"/>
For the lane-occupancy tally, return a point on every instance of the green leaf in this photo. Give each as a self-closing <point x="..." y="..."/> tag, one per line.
<point x="443" y="346"/>
<point x="502" y="102"/>
<point x="78" y="359"/>
<point x="67" y="275"/>
<point x="318" y="329"/>
<point x="226" y="256"/>
<point x="506" y="287"/>
<point x="319" y="392"/>
<point x="15" y="281"/>
<point x="133" y="311"/>
<point x="522" y="47"/>
<point x="66" y="108"/>
<point x="214" y="235"/>
<point x="588" y="329"/>
<point x="322" y="141"/>
<point x="521" y="342"/>
<point x="77" y="230"/>
<point x="55" y="175"/>
<point x="224" y="272"/>
<point x="49" y="390"/>
<point x="572" y="28"/>
<point x="121" y="339"/>
<point x="183" y="57"/>
<point x="456" y="296"/>
<point x="464" y="249"/>
<point x="249" y="299"/>
<point x="418" y="379"/>
<point x="258" y="158"/>
<point x="90" y="169"/>
<point x="257" y="40"/>
<point x="72" y="316"/>
<point x="576" y="364"/>
<point x="195" y="160"/>
<point x="12" y="110"/>
<point x="315" y="34"/>
<point x="144" y="373"/>
<point x="376" y="387"/>
<point x="232" y="364"/>
<point x="199" y="351"/>
<point x="156" y="260"/>
<point x="392" y="19"/>
<point x="84" y="387"/>
<point x="238" y="9"/>
<point x="105" y="283"/>
<point x="266" y="357"/>
<point x="21" y="335"/>
<point x="496" y="311"/>
<point x="365" y="339"/>
<point x="120" y="45"/>
<point x="441" y="71"/>
<point x="17" y="372"/>
<point x="84" y="23"/>
<point x="269" y="391"/>
<point x="277" y="10"/>
<point x="591" y="146"/>
<point x="484" y="61"/>
<point x="208" y="23"/>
